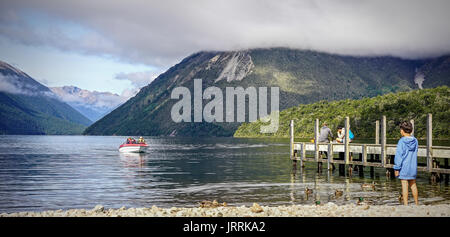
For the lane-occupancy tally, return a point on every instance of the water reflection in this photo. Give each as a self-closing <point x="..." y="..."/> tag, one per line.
<point x="386" y="190"/>
<point x="132" y="159"/>
<point x="62" y="172"/>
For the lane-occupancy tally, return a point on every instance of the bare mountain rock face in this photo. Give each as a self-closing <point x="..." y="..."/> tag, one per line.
<point x="238" y="66"/>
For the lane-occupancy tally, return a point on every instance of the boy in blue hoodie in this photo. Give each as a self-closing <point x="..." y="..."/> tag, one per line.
<point x="406" y="162"/>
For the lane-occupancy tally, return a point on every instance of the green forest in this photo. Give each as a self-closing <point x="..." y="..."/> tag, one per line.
<point x="363" y="113"/>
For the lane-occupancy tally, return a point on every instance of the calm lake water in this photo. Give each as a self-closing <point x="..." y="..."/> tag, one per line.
<point x="63" y="172"/>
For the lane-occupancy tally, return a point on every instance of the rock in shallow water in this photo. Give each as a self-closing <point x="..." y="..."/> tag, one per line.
<point x="98" y="208"/>
<point x="256" y="208"/>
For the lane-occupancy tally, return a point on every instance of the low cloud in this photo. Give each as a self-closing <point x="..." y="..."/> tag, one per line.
<point x="8" y="87"/>
<point x="137" y="80"/>
<point x="110" y="100"/>
<point x="93" y="99"/>
<point x="10" y="84"/>
<point x="128" y="93"/>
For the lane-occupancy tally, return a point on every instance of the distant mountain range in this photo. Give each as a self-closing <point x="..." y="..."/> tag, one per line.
<point x="303" y="77"/>
<point x="28" y="107"/>
<point x="92" y="104"/>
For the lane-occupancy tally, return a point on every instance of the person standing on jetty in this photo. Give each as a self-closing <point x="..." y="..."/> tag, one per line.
<point x="405" y="162"/>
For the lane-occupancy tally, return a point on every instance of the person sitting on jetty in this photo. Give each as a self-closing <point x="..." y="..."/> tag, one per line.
<point x="351" y="136"/>
<point x="141" y="140"/>
<point x="341" y="135"/>
<point x="405" y="162"/>
<point x="324" y="133"/>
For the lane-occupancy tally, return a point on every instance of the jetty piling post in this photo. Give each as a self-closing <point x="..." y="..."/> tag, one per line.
<point x="375" y="157"/>
<point x="346" y="145"/>
<point x="316" y="140"/>
<point x="303" y="155"/>
<point x="346" y="141"/>
<point x="291" y="143"/>
<point x="430" y="162"/>
<point x="446" y="166"/>
<point x="330" y="157"/>
<point x="429" y="142"/>
<point x="413" y="128"/>
<point x="316" y="146"/>
<point x="360" y="168"/>
<point x="361" y="171"/>
<point x="383" y="141"/>
<point x="390" y="171"/>
<point x="377" y="132"/>
<point x="341" y="169"/>
<point x="363" y="160"/>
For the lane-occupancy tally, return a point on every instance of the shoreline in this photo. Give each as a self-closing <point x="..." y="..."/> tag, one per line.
<point x="326" y="210"/>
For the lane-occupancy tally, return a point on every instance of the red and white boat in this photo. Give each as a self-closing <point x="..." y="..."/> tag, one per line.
<point x="134" y="148"/>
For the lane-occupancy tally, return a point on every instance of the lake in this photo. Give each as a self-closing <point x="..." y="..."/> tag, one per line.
<point x="40" y="173"/>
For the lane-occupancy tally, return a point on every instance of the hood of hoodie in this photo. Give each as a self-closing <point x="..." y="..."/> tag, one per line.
<point x="410" y="143"/>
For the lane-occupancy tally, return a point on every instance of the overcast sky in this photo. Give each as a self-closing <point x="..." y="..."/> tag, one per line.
<point x="119" y="46"/>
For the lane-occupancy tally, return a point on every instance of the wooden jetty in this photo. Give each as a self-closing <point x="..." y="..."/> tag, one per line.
<point x="379" y="154"/>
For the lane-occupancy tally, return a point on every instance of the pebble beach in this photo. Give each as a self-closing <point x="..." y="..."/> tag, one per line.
<point x="326" y="210"/>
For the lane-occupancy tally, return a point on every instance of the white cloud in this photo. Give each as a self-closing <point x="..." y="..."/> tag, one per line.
<point x="128" y="93"/>
<point x="163" y="32"/>
<point x="13" y="85"/>
<point x="58" y="33"/>
<point x="137" y="79"/>
<point x="7" y="86"/>
<point x="109" y="100"/>
<point x="93" y="99"/>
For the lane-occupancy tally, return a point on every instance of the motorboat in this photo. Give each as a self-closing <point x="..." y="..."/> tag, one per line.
<point x="133" y="148"/>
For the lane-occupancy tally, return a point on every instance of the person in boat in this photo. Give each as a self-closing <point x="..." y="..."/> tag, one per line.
<point x="133" y="141"/>
<point x="141" y="140"/>
<point x="129" y="140"/>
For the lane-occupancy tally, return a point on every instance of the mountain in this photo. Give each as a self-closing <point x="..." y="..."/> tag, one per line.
<point x="28" y="107"/>
<point x="92" y="104"/>
<point x="303" y="77"/>
<point x="363" y="113"/>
